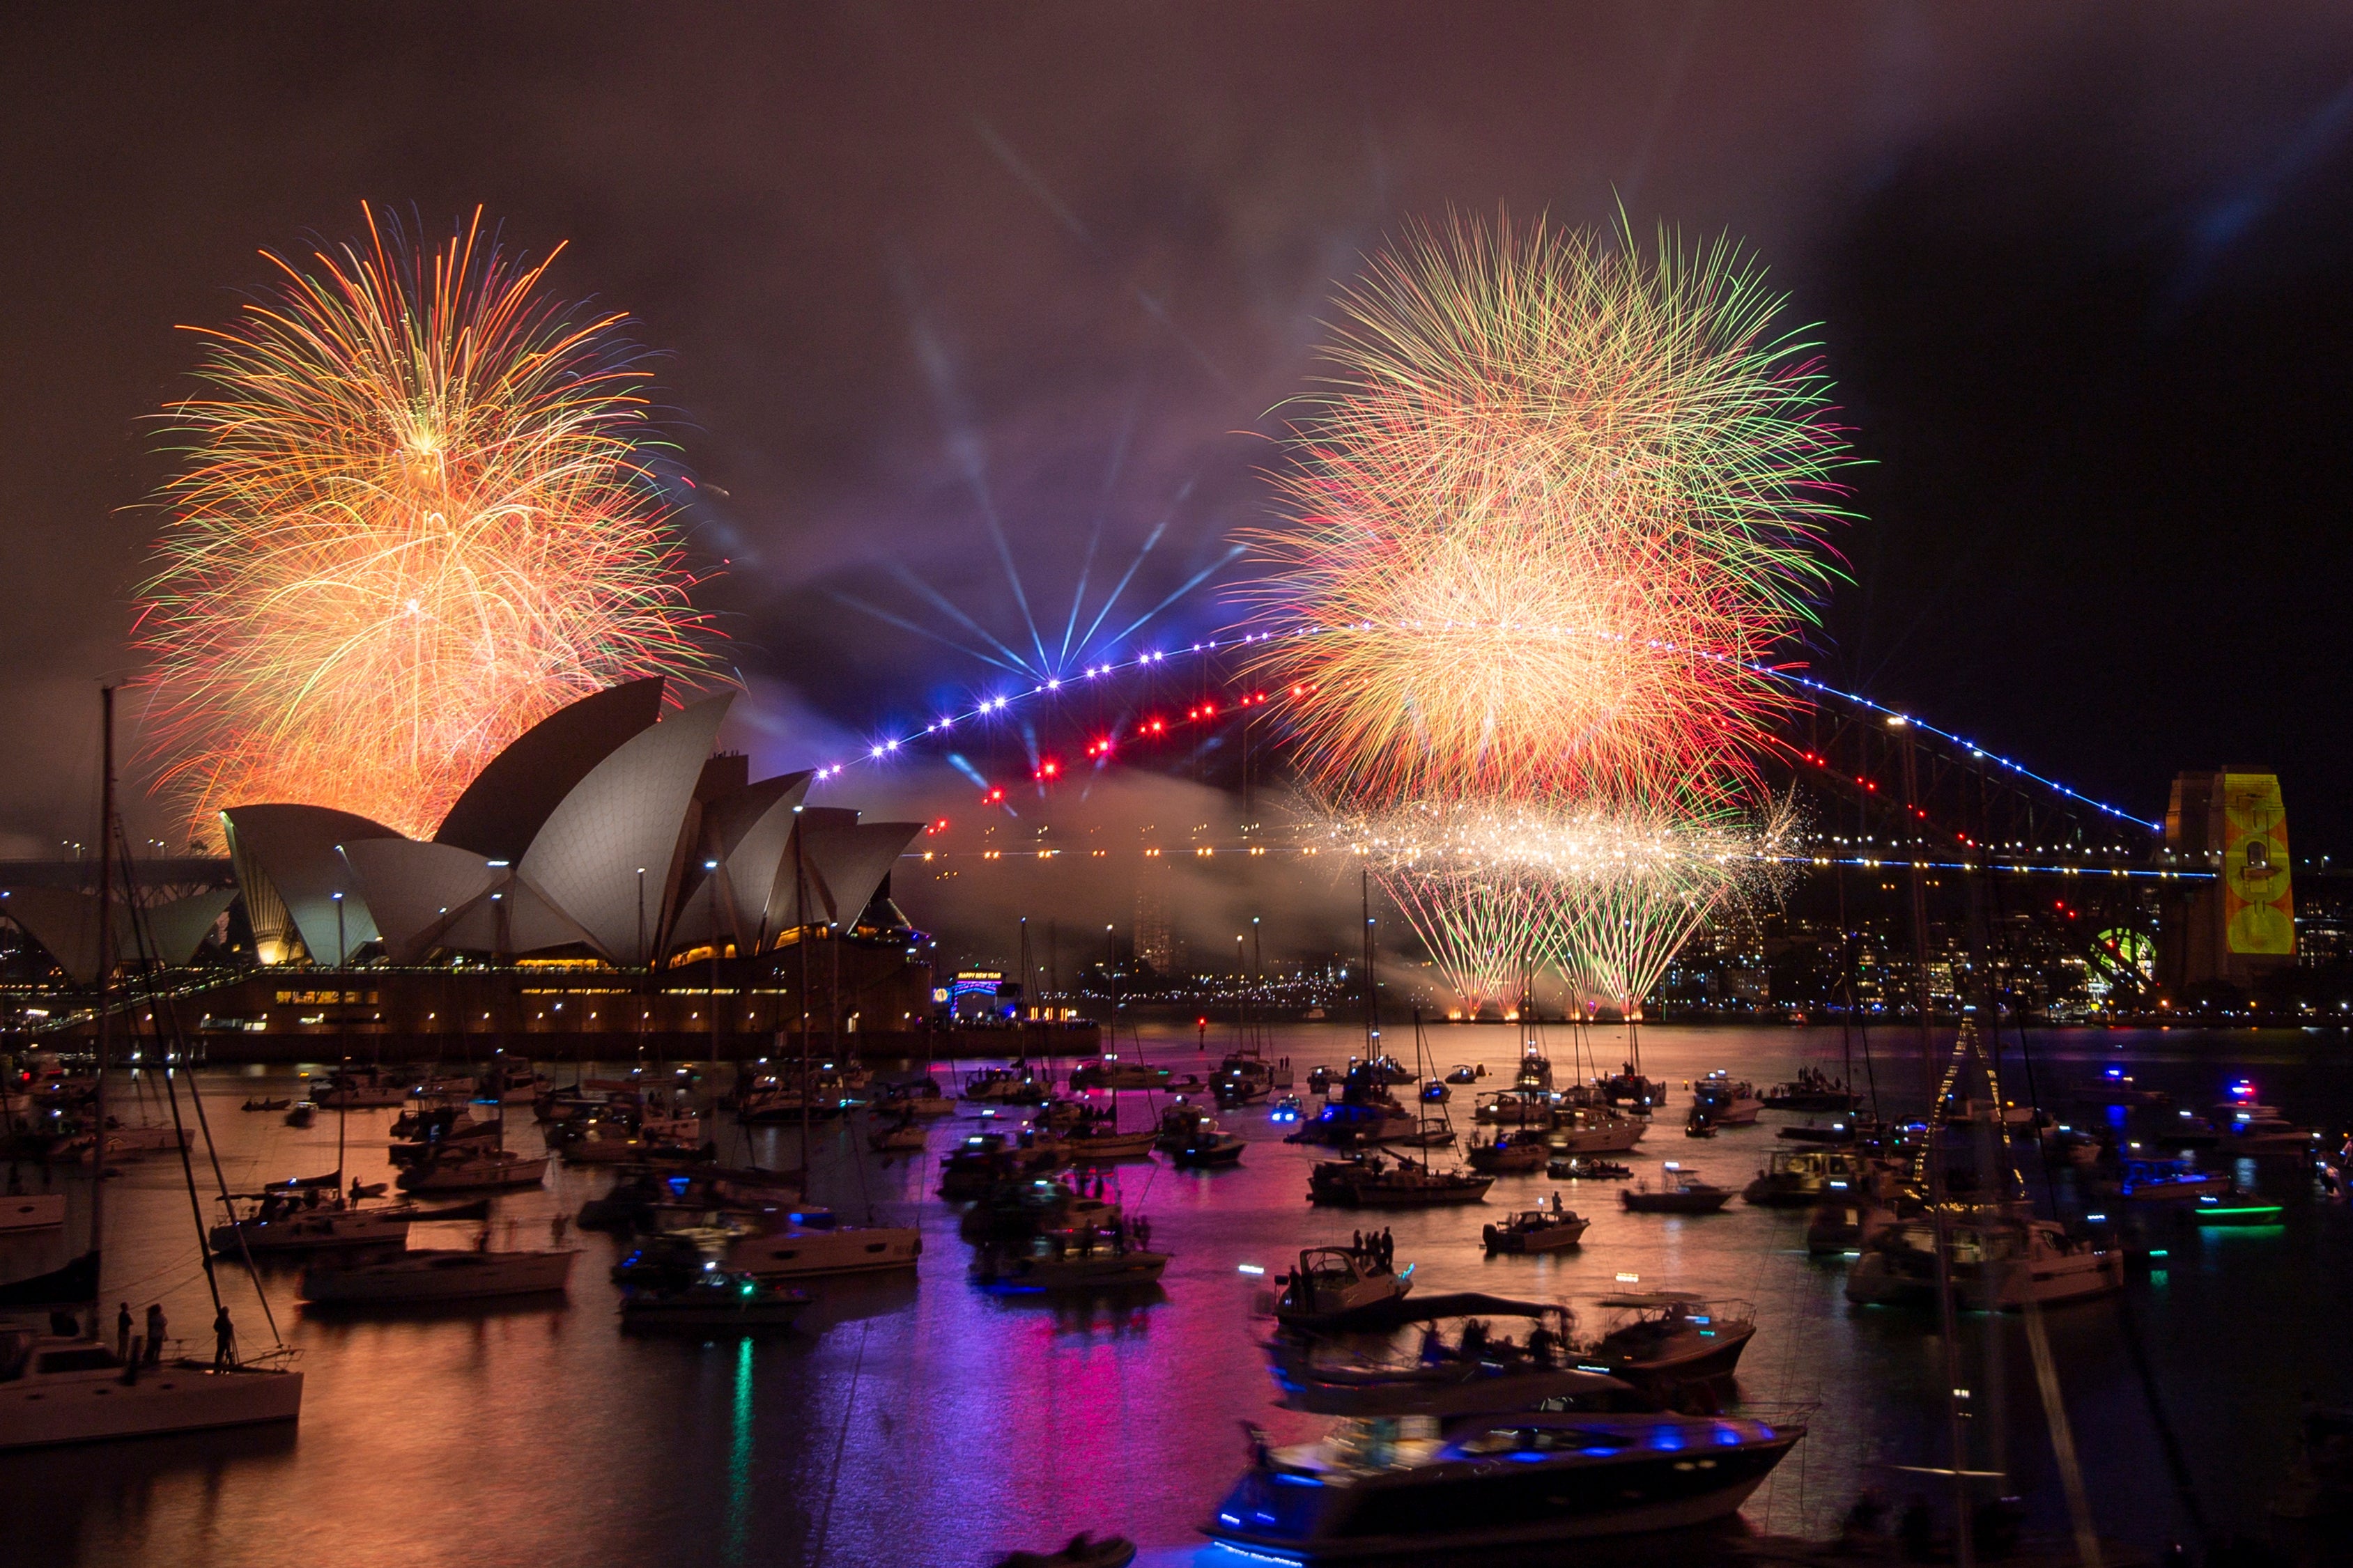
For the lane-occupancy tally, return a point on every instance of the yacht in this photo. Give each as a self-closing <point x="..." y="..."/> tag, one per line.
<point x="268" y="1230"/>
<point x="1333" y="1286"/>
<point x="807" y="1242"/>
<point x="1812" y="1091"/>
<point x="710" y="1299"/>
<point x="429" y="1275"/>
<point x="1998" y="1260"/>
<point x="1057" y="1261"/>
<point x="1596" y="1129"/>
<point x="1725" y="1102"/>
<point x="1114" y="1074"/>
<point x="469" y="1168"/>
<point x="918" y="1097"/>
<point x="904" y="1136"/>
<point x="1541" y="1229"/>
<point x="1375" y="1183"/>
<point x="1011" y="1085"/>
<point x="1511" y="1153"/>
<point x="1799" y="1178"/>
<point x="1847" y="1223"/>
<point x="1516" y="1108"/>
<point x="2167" y="1181"/>
<point x="1419" y="1488"/>
<point x="1658" y="1338"/>
<point x="365" y="1088"/>
<point x="1206" y="1145"/>
<point x="77" y="1391"/>
<point x="1680" y="1191"/>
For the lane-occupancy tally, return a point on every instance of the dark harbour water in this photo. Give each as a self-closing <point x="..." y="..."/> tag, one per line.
<point x="917" y="1420"/>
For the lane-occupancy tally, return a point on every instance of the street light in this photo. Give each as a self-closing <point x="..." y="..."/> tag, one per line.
<point x="339" y="932"/>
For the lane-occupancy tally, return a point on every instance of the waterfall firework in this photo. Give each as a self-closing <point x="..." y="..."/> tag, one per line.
<point x="413" y="518"/>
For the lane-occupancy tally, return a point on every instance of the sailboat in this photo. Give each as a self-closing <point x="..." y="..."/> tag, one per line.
<point x="68" y="1388"/>
<point x="1374" y="1183"/>
<point x="466" y="1167"/>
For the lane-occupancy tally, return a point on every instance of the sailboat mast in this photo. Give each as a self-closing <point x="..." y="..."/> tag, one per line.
<point x="105" y="993"/>
<point x="800" y="917"/>
<point x="1372" y="994"/>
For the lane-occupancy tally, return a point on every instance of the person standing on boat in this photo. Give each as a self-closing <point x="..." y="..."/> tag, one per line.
<point x="224" y="1341"/>
<point x="155" y="1327"/>
<point x="123" y="1331"/>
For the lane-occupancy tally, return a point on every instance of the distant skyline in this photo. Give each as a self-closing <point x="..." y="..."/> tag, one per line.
<point x="952" y="301"/>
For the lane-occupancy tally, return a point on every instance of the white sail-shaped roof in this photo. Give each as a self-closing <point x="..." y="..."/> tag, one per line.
<point x="850" y="860"/>
<point x="288" y="868"/>
<point x="749" y="831"/>
<point x="629" y="813"/>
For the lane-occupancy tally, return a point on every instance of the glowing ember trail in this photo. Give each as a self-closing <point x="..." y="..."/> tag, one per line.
<point x="413" y="519"/>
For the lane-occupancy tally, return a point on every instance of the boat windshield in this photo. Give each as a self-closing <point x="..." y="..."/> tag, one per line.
<point x="1542" y="1440"/>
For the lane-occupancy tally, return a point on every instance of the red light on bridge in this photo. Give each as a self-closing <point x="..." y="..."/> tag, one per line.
<point x="1049" y="768"/>
<point x="992" y="797"/>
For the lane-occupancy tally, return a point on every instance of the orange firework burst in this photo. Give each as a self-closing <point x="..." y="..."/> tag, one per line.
<point x="413" y="520"/>
<point x="1557" y="496"/>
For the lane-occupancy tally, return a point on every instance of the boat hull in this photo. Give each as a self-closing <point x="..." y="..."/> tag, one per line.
<point x="1467" y="1508"/>
<point x="802" y="1255"/>
<point x="418" y="1277"/>
<point x="180" y="1396"/>
<point x="35" y="1211"/>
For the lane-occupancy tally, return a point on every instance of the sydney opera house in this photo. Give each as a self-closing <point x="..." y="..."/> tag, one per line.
<point x="607" y="878"/>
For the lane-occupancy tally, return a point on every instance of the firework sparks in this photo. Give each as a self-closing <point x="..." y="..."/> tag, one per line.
<point x="1607" y="896"/>
<point x="413" y="519"/>
<point x="1555" y="498"/>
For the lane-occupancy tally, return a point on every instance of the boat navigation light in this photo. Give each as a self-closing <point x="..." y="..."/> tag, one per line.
<point x="1625" y="1278"/>
<point x="1251" y="1268"/>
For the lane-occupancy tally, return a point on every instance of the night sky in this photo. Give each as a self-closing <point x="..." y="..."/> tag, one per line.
<point x="2084" y="276"/>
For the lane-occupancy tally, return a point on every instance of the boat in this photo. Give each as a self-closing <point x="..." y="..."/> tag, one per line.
<point x="713" y="1298"/>
<point x="1799" y="1178"/>
<point x="2167" y="1181"/>
<point x="1812" y="1091"/>
<point x="438" y="1274"/>
<point x="1111" y="1073"/>
<point x="366" y="1088"/>
<point x="983" y="1160"/>
<point x="1657" y="1339"/>
<point x="1516" y="1108"/>
<point x="2249" y="1128"/>
<point x="1206" y="1145"/>
<point x="1080" y="1259"/>
<point x="1630" y="1087"/>
<point x="1435" y="1092"/>
<point x="511" y="1082"/>
<point x="1585" y="1168"/>
<point x="466" y="1167"/>
<point x="805" y="1242"/>
<point x="1096" y="1141"/>
<point x="1333" y="1286"/>
<point x="1375" y="1183"/>
<point x="267" y="1104"/>
<point x="1450" y="1488"/>
<point x="1465" y="1074"/>
<point x="1285" y="1110"/>
<point x="31" y="1211"/>
<point x="1999" y="1260"/>
<point x="2235" y="1207"/>
<point x="1541" y="1229"/>
<point x="303" y="1114"/>
<point x="1725" y="1103"/>
<point x="1011" y="1085"/>
<point x="55" y="1391"/>
<point x="1246" y="1076"/>
<point x="268" y="1230"/>
<point x="917" y="1097"/>
<point x="1848" y="1224"/>
<point x="1680" y="1191"/>
<point x="1827" y="1132"/>
<point x="904" y="1136"/>
<point x="1596" y="1129"/>
<point x="1511" y="1153"/>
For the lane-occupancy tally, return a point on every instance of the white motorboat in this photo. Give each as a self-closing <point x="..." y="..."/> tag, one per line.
<point x="439" y="1275"/>
<point x="1725" y="1102"/>
<point x="919" y="1097"/>
<point x="1542" y="1229"/>
<point x="807" y="1242"/>
<point x="57" y="1391"/>
<point x="1596" y="1129"/>
<point x="1333" y="1284"/>
<point x="905" y="1136"/>
<point x="32" y="1211"/>
<point x="1997" y="1261"/>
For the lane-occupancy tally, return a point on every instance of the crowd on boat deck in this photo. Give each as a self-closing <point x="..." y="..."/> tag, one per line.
<point x="1478" y="1344"/>
<point x="1374" y="1250"/>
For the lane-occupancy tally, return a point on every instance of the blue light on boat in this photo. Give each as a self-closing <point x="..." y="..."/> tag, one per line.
<point x="1728" y="1436"/>
<point x="1668" y="1440"/>
<point x="1289" y="1481"/>
<point x="1601" y="1453"/>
